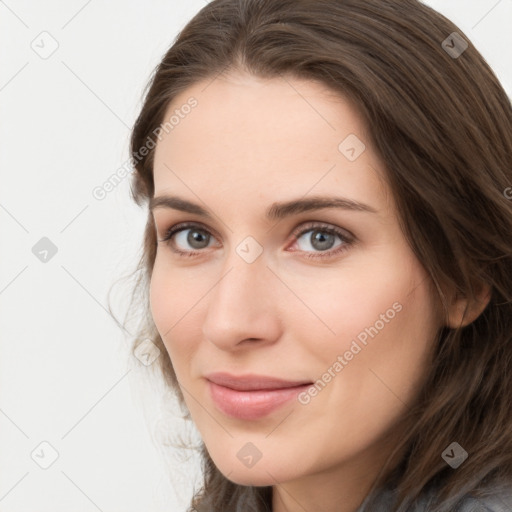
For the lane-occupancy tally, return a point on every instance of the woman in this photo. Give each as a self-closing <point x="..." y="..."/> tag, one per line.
<point x="328" y="255"/>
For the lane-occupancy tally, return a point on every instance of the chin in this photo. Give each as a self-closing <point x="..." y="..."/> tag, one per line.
<point x="263" y="473"/>
<point x="251" y="477"/>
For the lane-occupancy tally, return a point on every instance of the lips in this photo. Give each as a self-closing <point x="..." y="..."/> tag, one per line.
<point x="250" y="397"/>
<point x="252" y="382"/>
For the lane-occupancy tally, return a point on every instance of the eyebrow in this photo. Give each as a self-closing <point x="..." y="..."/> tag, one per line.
<point x="274" y="212"/>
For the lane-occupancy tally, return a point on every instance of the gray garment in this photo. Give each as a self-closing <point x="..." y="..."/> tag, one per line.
<point x="500" y="501"/>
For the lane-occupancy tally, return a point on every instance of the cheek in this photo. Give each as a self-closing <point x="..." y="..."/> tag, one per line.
<point x="171" y="294"/>
<point x="161" y="298"/>
<point x="350" y="301"/>
<point x="379" y="315"/>
<point x="171" y="300"/>
<point x="384" y="342"/>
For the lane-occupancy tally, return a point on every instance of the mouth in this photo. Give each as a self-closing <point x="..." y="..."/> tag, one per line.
<point x="252" y="397"/>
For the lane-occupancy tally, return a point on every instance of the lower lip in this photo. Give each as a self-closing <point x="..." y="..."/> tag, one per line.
<point x="251" y="405"/>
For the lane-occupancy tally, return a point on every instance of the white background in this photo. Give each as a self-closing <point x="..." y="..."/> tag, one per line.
<point x="66" y="376"/>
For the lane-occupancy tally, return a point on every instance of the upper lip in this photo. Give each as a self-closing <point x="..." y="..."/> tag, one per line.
<point x="252" y="382"/>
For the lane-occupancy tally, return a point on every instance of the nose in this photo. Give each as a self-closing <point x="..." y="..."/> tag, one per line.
<point x="243" y="306"/>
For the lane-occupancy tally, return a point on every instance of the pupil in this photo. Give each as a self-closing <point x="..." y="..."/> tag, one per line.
<point x="195" y="237"/>
<point x="322" y="240"/>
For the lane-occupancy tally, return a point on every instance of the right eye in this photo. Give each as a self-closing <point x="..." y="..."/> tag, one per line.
<point x="181" y="237"/>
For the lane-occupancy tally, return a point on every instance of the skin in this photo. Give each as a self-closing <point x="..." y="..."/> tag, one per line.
<point x="249" y="143"/>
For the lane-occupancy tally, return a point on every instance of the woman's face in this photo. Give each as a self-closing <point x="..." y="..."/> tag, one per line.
<point x="280" y="287"/>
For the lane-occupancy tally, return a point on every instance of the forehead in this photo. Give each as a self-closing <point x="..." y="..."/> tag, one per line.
<point x="258" y="135"/>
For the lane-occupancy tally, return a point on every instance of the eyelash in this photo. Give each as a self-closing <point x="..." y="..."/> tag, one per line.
<point x="312" y="226"/>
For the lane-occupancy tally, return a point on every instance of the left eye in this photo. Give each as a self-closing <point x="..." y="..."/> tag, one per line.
<point x="322" y="240"/>
<point x="319" y="240"/>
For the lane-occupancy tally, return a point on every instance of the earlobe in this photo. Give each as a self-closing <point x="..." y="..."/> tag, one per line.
<point x="462" y="311"/>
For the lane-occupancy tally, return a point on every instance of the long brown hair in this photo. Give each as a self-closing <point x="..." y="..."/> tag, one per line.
<point x="442" y="126"/>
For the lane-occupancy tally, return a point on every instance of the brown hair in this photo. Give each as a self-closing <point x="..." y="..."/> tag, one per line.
<point x="442" y="126"/>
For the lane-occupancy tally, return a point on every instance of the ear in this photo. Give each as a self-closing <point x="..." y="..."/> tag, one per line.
<point x="463" y="311"/>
